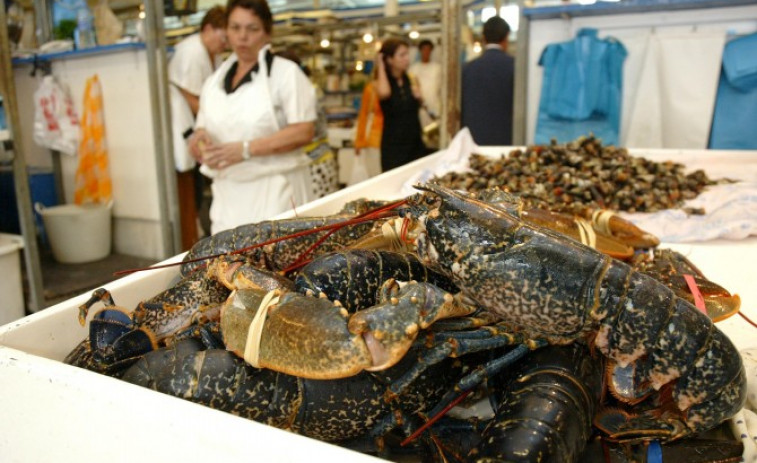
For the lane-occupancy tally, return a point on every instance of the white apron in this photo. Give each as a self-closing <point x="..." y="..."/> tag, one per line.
<point x="263" y="186"/>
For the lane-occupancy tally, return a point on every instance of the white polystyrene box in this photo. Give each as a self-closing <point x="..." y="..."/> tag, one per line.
<point x="62" y="413"/>
<point x="11" y="288"/>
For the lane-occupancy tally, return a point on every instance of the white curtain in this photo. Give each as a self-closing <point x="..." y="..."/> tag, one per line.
<point x="672" y="104"/>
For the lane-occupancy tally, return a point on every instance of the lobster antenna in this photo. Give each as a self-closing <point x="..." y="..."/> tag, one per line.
<point x="435" y="418"/>
<point x="365" y="217"/>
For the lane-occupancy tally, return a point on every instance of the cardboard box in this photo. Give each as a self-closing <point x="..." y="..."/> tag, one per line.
<point x="55" y="412"/>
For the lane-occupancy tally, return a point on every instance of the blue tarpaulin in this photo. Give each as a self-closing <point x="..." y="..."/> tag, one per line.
<point x="734" y="124"/>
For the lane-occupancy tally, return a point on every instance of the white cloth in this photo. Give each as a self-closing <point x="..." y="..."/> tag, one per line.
<point x="675" y="97"/>
<point x="456" y="158"/>
<point x="188" y="68"/>
<point x="429" y="76"/>
<point x="744" y="423"/>
<point x="730" y="213"/>
<point x="264" y="186"/>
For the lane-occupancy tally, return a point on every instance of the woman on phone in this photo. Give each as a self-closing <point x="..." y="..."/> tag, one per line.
<point x="400" y="98"/>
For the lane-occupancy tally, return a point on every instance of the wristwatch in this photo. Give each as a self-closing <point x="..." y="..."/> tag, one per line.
<point x="245" y="150"/>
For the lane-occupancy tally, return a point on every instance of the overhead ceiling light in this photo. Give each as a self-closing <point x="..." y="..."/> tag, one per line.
<point x="414" y="34"/>
<point x="359" y="66"/>
<point x="325" y="43"/>
<point x="367" y="37"/>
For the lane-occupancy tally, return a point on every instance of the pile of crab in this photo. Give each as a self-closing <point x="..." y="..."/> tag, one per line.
<point x="364" y="328"/>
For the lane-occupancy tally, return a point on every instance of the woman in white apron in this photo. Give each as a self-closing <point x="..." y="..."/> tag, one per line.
<point x="256" y="112"/>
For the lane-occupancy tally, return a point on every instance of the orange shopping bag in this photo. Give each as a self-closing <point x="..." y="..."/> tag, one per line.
<point x="92" y="176"/>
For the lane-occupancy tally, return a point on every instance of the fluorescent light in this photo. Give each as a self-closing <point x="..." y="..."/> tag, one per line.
<point x="488" y="12"/>
<point x="511" y="14"/>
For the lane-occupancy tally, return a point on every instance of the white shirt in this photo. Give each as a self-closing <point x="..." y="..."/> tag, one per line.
<point x="429" y="76"/>
<point x="190" y="64"/>
<point x="188" y="69"/>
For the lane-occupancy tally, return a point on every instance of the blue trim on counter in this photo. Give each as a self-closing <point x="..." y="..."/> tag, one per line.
<point x="98" y="50"/>
<point x="626" y="6"/>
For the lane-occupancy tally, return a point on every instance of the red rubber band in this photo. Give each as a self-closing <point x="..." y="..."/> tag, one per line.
<point x="698" y="299"/>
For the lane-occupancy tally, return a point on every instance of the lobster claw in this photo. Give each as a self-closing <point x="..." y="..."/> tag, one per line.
<point x="621" y="426"/>
<point x="115" y="338"/>
<point x="718" y="302"/>
<point x="682" y="276"/>
<point x="692" y="450"/>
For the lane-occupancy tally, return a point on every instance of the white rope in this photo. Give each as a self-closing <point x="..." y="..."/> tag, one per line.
<point x="586" y="232"/>
<point x="601" y="219"/>
<point x="255" y="331"/>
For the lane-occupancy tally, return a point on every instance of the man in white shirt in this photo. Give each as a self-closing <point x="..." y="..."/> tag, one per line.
<point x="194" y="60"/>
<point x="429" y="75"/>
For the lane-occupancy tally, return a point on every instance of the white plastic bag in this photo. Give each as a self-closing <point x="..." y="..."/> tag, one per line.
<point x="359" y="170"/>
<point x="56" y="125"/>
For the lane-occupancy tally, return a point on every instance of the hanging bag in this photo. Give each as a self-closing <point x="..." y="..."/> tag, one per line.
<point x="56" y="125"/>
<point x="93" y="183"/>
<point x="359" y="170"/>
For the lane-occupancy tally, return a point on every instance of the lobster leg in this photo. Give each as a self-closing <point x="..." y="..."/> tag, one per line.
<point x="98" y="295"/>
<point x="458" y="344"/>
<point x="480" y="374"/>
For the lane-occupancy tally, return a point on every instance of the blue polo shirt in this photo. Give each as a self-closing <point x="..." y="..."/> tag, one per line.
<point x="582" y="89"/>
<point x="734" y="122"/>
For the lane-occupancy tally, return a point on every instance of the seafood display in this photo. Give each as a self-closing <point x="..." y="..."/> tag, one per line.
<point x="363" y="343"/>
<point x="556" y="289"/>
<point x="582" y="176"/>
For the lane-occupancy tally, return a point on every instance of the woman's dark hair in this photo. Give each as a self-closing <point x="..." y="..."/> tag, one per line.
<point x="259" y="7"/>
<point x="390" y="46"/>
<point x="216" y="17"/>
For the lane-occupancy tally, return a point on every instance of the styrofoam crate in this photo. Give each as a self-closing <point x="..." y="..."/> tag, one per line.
<point x="62" y="413"/>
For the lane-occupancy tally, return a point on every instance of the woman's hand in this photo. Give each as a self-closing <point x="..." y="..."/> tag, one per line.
<point x="223" y="155"/>
<point x="378" y="62"/>
<point x="198" y="143"/>
<point x="381" y="84"/>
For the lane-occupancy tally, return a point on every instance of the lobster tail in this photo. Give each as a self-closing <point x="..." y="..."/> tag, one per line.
<point x="546" y="408"/>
